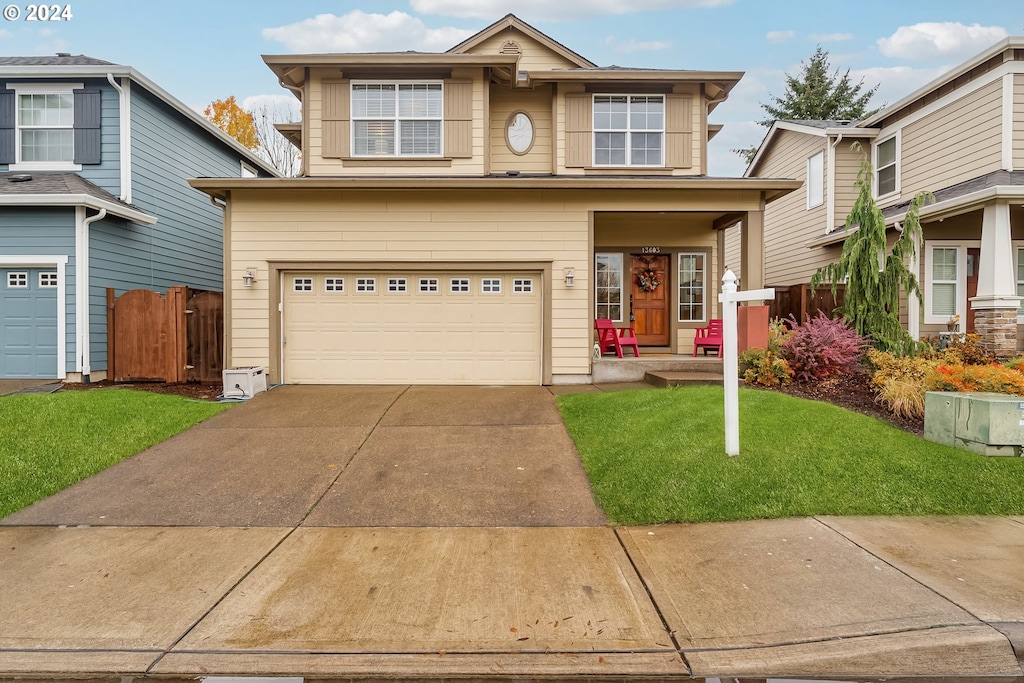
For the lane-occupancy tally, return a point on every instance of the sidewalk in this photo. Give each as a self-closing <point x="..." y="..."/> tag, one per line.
<point x="814" y="598"/>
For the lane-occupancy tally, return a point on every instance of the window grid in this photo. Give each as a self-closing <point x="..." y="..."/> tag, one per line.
<point x="691" y="287"/>
<point x="490" y="285"/>
<point x="302" y="284"/>
<point x="429" y="285"/>
<point x="522" y="285"/>
<point x="629" y="130"/>
<point x="46" y="122"/>
<point x="608" y="286"/>
<point x="366" y="285"/>
<point x="398" y="284"/>
<point x="397" y="119"/>
<point x="17" y="280"/>
<point x="334" y="284"/>
<point x="1020" y="279"/>
<point x="47" y="279"/>
<point x="459" y="285"/>
<point x="886" y="157"/>
<point x="945" y="276"/>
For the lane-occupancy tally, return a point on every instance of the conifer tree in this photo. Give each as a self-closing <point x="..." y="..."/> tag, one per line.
<point x="874" y="279"/>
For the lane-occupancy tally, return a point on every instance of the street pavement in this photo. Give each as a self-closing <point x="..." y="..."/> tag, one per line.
<point x="441" y="532"/>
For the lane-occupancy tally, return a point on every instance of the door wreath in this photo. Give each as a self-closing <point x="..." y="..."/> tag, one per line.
<point x="649" y="280"/>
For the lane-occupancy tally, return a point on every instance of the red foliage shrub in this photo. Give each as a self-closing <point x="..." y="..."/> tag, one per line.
<point x="821" y="348"/>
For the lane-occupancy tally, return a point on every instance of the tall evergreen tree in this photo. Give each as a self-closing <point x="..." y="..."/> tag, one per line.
<point x="873" y="279"/>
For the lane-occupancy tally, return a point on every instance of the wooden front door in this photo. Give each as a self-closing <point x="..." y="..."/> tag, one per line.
<point x="973" y="259"/>
<point x="650" y="309"/>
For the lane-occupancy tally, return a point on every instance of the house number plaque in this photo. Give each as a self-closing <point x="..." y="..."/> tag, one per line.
<point x="650" y="250"/>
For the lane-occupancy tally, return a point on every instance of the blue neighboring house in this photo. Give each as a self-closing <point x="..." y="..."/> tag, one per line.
<point x="94" y="159"/>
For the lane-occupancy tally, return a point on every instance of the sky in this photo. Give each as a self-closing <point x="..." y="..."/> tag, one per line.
<point x="200" y="51"/>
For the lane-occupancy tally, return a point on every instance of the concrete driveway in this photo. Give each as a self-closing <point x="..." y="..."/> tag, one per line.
<point x="348" y="456"/>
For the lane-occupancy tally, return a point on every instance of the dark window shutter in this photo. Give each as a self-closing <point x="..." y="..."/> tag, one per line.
<point x="87" y="126"/>
<point x="7" y="127"/>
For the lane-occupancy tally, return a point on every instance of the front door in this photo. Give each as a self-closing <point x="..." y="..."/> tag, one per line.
<point x="649" y="299"/>
<point x="973" y="259"/>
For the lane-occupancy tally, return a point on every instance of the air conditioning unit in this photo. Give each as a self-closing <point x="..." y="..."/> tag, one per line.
<point x="244" y="382"/>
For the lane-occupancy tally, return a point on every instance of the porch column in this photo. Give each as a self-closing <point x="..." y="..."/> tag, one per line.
<point x="752" y="250"/>
<point x="996" y="303"/>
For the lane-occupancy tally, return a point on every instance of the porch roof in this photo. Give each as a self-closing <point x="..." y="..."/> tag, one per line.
<point x="35" y="188"/>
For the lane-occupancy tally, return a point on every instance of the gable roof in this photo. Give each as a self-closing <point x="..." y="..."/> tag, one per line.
<point x="823" y="128"/>
<point x="511" y="21"/>
<point x="64" y="65"/>
<point x="18" y="188"/>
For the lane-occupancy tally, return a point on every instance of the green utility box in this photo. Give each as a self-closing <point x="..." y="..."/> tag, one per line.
<point x="989" y="424"/>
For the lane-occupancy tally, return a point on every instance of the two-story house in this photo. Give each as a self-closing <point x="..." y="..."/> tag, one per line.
<point x="960" y="137"/>
<point x="94" y="159"/>
<point x="464" y="216"/>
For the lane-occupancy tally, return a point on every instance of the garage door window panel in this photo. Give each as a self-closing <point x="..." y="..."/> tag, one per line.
<point x="334" y="284"/>
<point x="490" y="285"/>
<point x="47" y="279"/>
<point x="459" y="285"/>
<point x="522" y="285"/>
<point x="302" y="284"/>
<point x="429" y="285"/>
<point x="17" y="280"/>
<point x="398" y="285"/>
<point x="366" y="285"/>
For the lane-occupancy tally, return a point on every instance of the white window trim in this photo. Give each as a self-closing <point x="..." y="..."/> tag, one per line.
<point x="628" y="131"/>
<point x="425" y="283"/>
<point x="39" y="89"/>
<point x="961" y="279"/>
<point x="492" y="282"/>
<point x="522" y="285"/>
<point x="460" y="282"/>
<point x="397" y="154"/>
<point x="622" y="284"/>
<point x="704" y="285"/>
<point x="820" y="175"/>
<point x="1018" y="246"/>
<point x="898" y="136"/>
<point x="248" y="171"/>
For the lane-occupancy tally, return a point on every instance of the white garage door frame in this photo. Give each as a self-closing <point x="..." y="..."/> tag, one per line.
<point x="278" y="269"/>
<point x="58" y="262"/>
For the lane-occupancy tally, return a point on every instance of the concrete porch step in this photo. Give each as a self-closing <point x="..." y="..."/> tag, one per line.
<point x="668" y="378"/>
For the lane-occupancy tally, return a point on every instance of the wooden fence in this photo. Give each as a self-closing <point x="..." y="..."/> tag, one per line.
<point x="798" y="301"/>
<point x="173" y="338"/>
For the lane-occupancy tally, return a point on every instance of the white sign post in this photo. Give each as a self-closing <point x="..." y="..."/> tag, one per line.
<point x="730" y="340"/>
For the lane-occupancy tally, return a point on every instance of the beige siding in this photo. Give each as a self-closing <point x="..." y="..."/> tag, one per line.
<point x="732" y="258"/>
<point x="956" y="143"/>
<point x="788" y="224"/>
<point x="848" y="162"/>
<point x="320" y="146"/>
<point x="535" y="56"/>
<point x="536" y="103"/>
<point x="1018" y="122"/>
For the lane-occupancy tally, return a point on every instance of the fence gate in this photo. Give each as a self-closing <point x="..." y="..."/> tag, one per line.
<point x="172" y="338"/>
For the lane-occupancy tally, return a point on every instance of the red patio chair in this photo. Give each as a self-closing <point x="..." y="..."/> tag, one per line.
<point x="613" y="339"/>
<point x="709" y="337"/>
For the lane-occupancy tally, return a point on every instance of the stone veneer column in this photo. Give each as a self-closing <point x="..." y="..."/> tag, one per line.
<point x="997" y="328"/>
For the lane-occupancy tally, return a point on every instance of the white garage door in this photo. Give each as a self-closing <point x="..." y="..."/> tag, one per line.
<point x="412" y="328"/>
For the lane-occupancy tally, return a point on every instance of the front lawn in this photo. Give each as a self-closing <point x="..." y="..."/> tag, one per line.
<point x="659" y="456"/>
<point x="50" y="441"/>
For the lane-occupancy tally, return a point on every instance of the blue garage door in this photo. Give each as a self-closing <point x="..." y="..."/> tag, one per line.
<point x="28" y="314"/>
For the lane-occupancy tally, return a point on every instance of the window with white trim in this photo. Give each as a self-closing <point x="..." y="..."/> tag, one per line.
<point x="887" y="162"/>
<point x="302" y="284"/>
<point x="692" y="277"/>
<point x="17" y="280"/>
<point x="46" y="126"/>
<point x="1019" y="268"/>
<point x="397" y="285"/>
<point x="459" y="285"/>
<point x="608" y="283"/>
<point x="429" y="285"/>
<point x="248" y="171"/>
<point x="397" y="119"/>
<point x="47" y="279"/>
<point x="629" y="130"/>
<point x="522" y="285"/>
<point x="816" y="180"/>
<point x="945" y="282"/>
<point x="334" y="284"/>
<point x="490" y="285"/>
<point x="366" y="285"/>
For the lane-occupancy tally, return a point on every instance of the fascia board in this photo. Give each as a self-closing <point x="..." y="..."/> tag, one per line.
<point x="77" y="200"/>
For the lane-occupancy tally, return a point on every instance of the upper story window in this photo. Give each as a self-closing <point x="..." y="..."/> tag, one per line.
<point x="816" y="180"/>
<point x="51" y="127"/>
<point x="629" y="130"/>
<point x="397" y="119"/>
<point x="887" y="166"/>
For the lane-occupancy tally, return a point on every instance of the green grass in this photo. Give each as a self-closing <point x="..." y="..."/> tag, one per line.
<point x="659" y="456"/>
<point x="50" y="441"/>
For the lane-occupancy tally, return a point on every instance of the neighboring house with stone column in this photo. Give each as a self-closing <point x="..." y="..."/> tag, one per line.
<point x="960" y="137"/>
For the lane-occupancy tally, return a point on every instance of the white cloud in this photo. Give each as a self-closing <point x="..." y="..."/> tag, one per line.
<point x="930" y="40"/>
<point x="631" y="45"/>
<point x="895" y="82"/>
<point x="361" y="32"/>
<point x="830" y="37"/>
<point x="539" y="10"/>
<point x="779" y="36"/>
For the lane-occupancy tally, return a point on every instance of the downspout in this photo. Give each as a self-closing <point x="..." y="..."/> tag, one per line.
<point x="298" y="92"/>
<point x="830" y="196"/>
<point x="124" y="107"/>
<point x="82" y="291"/>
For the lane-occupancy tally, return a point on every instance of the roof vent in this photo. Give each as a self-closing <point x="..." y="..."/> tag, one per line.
<point x="63" y="54"/>
<point x="510" y="47"/>
<point x="23" y="178"/>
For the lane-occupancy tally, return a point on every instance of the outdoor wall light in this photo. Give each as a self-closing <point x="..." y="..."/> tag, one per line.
<point x="570" y="277"/>
<point x="249" y="277"/>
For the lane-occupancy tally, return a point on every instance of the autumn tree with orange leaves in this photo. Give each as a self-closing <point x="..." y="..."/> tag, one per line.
<point x="227" y="115"/>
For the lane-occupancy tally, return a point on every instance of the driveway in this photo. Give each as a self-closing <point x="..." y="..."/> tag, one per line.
<point x="348" y="456"/>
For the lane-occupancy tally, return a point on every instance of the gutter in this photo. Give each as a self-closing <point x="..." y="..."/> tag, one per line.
<point x="82" y="288"/>
<point x="84" y="200"/>
<point x="125" y="146"/>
